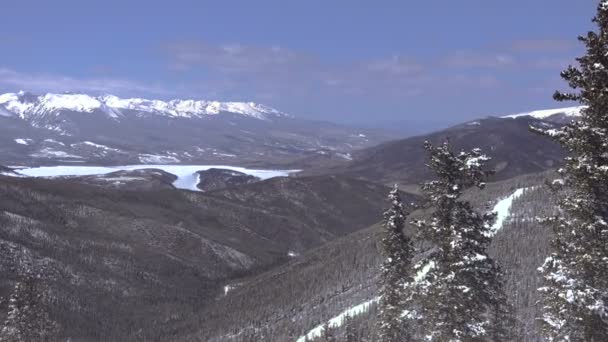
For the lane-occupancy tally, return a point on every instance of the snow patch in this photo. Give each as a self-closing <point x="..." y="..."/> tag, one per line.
<point x="346" y="156"/>
<point x="154" y="158"/>
<point x="503" y="209"/>
<point x="224" y="155"/>
<point x="421" y="274"/>
<point x="49" y="152"/>
<point x="52" y="141"/>
<point x="339" y="320"/>
<point x="543" y="114"/>
<point x="97" y="146"/>
<point x="23" y="141"/>
<point x="228" y="288"/>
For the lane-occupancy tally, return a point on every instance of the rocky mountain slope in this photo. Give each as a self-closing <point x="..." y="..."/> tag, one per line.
<point x="514" y="149"/>
<point x="107" y="130"/>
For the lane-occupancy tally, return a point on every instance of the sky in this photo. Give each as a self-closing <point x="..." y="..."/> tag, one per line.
<point x="375" y="63"/>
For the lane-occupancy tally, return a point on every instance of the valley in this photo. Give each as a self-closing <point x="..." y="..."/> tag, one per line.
<point x="304" y="171"/>
<point x="234" y="253"/>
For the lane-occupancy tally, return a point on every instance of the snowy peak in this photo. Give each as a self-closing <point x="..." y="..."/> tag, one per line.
<point x="26" y="105"/>
<point x="547" y="113"/>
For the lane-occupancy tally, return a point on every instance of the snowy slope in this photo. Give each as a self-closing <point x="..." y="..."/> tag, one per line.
<point x="187" y="176"/>
<point x="339" y="320"/>
<point x="358" y="309"/>
<point x="503" y="209"/>
<point x="547" y="113"/>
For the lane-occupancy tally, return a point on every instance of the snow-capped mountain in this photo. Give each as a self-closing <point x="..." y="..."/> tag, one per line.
<point x="549" y="114"/>
<point x="81" y="128"/>
<point x="26" y="105"/>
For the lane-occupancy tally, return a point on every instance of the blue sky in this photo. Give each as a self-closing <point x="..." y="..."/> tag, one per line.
<point x="365" y="62"/>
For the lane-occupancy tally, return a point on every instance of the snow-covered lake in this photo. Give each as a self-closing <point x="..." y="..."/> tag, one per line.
<point x="187" y="177"/>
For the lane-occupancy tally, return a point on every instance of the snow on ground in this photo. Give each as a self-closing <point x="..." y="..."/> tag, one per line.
<point x="228" y="288"/>
<point x="503" y="209"/>
<point x="423" y="272"/>
<point x="543" y="114"/>
<point x="359" y="309"/>
<point x="153" y="158"/>
<point x="98" y="146"/>
<point x="224" y="154"/>
<point x="23" y="141"/>
<point x="49" y="152"/>
<point x="187" y="176"/>
<point x="338" y="321"/>
<point x="346" y="156"/>
<point x="53" y="141"/>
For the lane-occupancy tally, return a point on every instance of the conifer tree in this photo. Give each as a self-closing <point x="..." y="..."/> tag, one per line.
<point x="351" y="330"/>
<point x="395" y="275"/>
<point x="575" y="293"/>
<point x="27" y="319"/>
<point x="460" y="285"/>
<point x="329" y="333"/>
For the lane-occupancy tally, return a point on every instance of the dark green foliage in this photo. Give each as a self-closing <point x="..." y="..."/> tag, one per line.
<point x="329" y="333"/>
<point x="395" y="274"/>
<point x="576" y="282"/>
<point x="461" y="285"/>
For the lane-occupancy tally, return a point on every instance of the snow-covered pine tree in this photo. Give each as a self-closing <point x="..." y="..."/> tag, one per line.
<point x="395" y="274"/>
<point x="27" y="320"/>
<point x="575" y="293"/>
<point x="458" y="285"/>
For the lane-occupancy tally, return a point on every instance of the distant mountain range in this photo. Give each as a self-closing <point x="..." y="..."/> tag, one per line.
<point x="514" y="149"/>
<point x="108" y="130"/>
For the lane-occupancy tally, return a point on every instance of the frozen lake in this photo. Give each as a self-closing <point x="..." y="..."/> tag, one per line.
<point x="187" y="177"/>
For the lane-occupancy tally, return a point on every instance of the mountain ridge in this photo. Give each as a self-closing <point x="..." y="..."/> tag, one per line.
<point x="55" y="129"/>
<point x="26" y="105"/>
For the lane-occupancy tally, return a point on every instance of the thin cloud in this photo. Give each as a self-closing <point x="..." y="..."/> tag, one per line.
<point x="11" y="79"/>
<point x="236" y="58"/>
<point x="475" y="59"/>
<point x="543" y="45"/>
<point x="396" y="65"/>
<point x="277" y="70"/>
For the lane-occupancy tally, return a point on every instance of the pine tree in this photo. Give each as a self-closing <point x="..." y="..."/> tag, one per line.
<point x="460" y="285"/>
<point x="395" y="275"/>
<point x="575" y="293"/>
<point x="328" y="333"/>
<point x="503" y="325"/>
<point x="351" y="330"/>
<point x="27" y="319"/>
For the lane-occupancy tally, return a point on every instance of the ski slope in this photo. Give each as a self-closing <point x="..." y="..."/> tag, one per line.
<point x="503" y="209"/>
